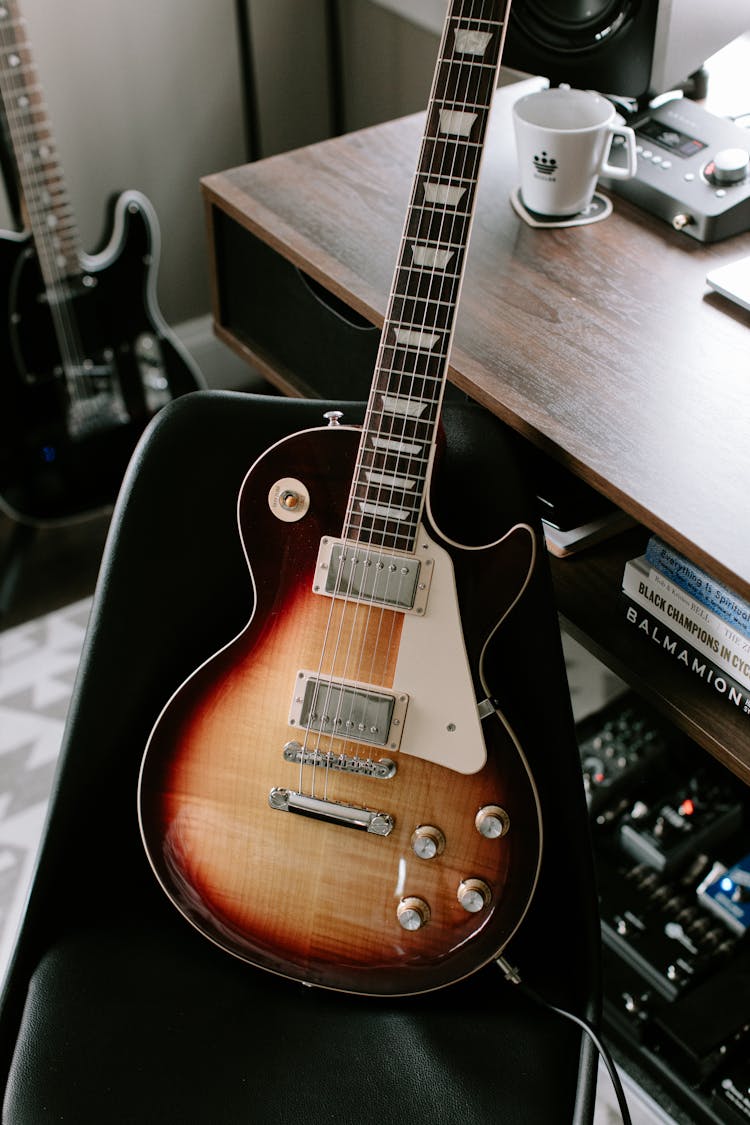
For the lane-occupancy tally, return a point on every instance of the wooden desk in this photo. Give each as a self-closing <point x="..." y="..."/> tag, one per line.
<point x="601" y="345"/>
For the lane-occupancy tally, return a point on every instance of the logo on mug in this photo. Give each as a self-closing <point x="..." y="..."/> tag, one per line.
<point x="545" y="164"/>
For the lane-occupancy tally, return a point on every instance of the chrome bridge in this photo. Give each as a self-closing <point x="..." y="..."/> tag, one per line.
<point x="396" y="580"/>
<point x="356" y="712"/>
<point x="350" y="816"/>
<point x="345" y="763"/>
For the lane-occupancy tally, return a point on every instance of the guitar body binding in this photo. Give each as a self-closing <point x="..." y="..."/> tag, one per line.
<point x="284" y="847"/>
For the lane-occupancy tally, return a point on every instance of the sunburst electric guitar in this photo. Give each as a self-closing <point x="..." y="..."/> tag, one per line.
<point x="335" y="796"/>
<point x="86" y="359"/>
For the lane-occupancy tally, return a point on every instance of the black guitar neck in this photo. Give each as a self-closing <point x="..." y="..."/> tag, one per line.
<point x="411" y="369"/>
<point x="86" y="359"/>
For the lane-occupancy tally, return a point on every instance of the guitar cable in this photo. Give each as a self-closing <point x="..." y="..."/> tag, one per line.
<point x="512" y="975"/>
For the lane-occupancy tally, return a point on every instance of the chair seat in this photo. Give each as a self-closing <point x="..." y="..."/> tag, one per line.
<point x="150" y="1024"/>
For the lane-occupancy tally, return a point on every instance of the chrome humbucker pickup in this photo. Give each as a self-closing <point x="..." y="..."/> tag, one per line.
<point x="356" y="712"/>
<point x="393" y="579"/>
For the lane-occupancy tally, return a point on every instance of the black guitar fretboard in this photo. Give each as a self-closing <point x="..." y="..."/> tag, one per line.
<point x="395" y="455"/>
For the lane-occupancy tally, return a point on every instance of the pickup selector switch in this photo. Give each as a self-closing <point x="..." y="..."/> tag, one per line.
<point x="412" y="913"/>
<point x="474" y="895"/>
<point x="427" y="841"/>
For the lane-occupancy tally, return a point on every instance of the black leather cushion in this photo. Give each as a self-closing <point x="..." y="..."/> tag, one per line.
<point x="131" y="1026"/>
<point x="114" y="1009"/>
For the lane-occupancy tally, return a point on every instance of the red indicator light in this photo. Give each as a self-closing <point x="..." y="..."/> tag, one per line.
<point x="687" y="808"/>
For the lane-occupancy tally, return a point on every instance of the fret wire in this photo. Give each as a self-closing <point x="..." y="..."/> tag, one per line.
<point x="451" y="103"/>
<point x="426" y="293"/>
<point x="437" y="302"/>
<point x="390" y="372"/>
<point x="439" y="209"/>
<point x="408" y="268"/>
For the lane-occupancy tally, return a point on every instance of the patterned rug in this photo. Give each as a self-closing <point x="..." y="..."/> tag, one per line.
<point x="38" y="663"/>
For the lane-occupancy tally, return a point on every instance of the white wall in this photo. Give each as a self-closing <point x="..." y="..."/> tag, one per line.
<point x="148" y="95"/>
<point x="143" y="95"/>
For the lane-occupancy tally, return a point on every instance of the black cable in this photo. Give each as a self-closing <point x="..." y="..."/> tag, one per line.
<point x="511" y="974"/>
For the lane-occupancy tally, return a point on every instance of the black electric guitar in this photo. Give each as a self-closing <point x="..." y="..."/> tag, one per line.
<point x="335" y="795"/>
<point x="86" y="359"/>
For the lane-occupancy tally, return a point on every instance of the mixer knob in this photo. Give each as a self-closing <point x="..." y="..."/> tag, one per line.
<point x="427" y="841"/>
<point x="728" y="166"/>
<point x="412" y="913"/>
<point x="474" y="895"/>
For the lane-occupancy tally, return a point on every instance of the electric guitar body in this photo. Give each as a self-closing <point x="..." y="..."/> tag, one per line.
<point x="334" y="796"/>
<point x="68" y="430"/>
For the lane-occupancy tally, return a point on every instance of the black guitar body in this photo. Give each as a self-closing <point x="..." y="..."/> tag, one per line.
<point x="82" y="370"/>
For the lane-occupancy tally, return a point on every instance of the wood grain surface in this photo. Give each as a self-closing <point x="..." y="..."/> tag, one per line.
<point x="601" y="344"/>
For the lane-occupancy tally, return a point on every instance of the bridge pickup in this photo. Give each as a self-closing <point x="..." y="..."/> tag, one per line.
<point x="355" y="712"/>
<point x="286" y="800"/>
<point x="382" y="769"/>
<point x="369" y="574"/>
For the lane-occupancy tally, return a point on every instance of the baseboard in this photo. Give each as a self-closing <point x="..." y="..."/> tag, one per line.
<point x="222" y="368"/>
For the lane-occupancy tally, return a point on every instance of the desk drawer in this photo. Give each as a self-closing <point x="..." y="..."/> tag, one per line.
<point x="303" y="338"/>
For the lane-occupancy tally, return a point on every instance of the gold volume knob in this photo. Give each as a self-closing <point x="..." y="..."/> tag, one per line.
<point x="492" y="821"/>
<point x="427" y="841"/>
<point x="413" y="913"/>
<point x="473" y="894"/>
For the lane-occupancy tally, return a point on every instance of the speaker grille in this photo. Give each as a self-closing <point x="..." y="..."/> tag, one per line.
<point x="605" y="45"/>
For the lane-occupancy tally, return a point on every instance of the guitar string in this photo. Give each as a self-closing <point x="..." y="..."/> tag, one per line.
<point x="450" y="214"/>
<point x="419" y="372"/>
<point x="431" y="224"/>
<point x="366" y="630"/>
<point x="36" y="184"/>
<point x="423" y="367"/>
<point x="20" y="108"/>
<point x="53" y="257"/>
<point x="345" y="600"/>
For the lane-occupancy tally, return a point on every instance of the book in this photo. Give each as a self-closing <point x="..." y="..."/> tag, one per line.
<point x="562" y="543"/>
<point x="715" y="595"/>
<point x="689" y="618"/>
<point x="688" y="657"/>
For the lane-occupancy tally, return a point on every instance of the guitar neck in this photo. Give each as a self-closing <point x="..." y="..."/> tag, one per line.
<point x="40" y="176"/>
<point x="395" y="457"/>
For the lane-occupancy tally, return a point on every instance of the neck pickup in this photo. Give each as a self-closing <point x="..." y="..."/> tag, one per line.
<point x="373" y="575"/>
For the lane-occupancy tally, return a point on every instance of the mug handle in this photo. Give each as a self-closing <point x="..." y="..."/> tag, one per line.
<point x="616" y="171"/>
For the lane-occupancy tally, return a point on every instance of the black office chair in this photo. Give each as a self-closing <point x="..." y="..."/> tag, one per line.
<point x="116" y="1010"/>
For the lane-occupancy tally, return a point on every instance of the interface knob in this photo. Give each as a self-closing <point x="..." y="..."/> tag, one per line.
<point x="412" y="913"/>
<point x="729" y="166"/>
<point x="427" y="841"/>
<point x="492" y="821"/>
<point x="474" y="895"/>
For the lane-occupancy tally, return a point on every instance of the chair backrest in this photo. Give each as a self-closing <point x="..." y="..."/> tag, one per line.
<point x="174" y="587"/>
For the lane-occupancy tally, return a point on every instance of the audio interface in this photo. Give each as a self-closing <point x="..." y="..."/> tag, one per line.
<point x="693" y="170"/>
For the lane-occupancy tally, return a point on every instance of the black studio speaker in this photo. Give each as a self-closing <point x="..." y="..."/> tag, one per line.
<point x="630" y="48"/>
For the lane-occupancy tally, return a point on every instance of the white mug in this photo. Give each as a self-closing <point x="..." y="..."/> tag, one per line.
<point x="563" y="140"/>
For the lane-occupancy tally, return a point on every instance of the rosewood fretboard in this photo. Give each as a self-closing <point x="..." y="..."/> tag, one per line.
<point x="395" y="456"/>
